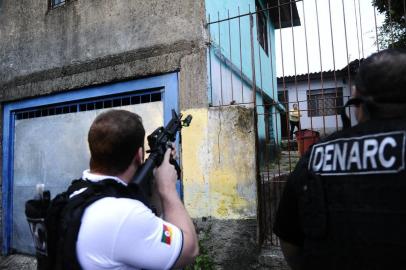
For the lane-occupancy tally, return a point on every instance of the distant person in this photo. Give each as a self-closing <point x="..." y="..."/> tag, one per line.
<point x="344" y="205"/>
<point x="294" y="119"/>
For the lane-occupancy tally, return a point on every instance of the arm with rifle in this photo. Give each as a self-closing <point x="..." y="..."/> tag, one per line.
<point x="166" y="174"/>
<point x="101" y="216"/>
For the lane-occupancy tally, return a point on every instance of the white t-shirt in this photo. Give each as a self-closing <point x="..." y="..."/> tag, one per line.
<point x="121" y="233"/>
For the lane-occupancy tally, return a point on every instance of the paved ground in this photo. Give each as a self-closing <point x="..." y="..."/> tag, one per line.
<point x="273" y="179"/>
<point x="283" y="165"/>
<point x="288" y="161"/>
<point x="271" y="257"/>
<point x="18" y="262"/>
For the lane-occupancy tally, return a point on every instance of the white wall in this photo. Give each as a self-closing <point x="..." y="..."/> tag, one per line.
<point x="298" y="94"/>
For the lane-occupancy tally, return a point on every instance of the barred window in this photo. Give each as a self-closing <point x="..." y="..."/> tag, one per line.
<point x="262" y="27"/>
<point x="138" y="97"/>
<point x="56" y="3"/>
<point x="324" y="101"/>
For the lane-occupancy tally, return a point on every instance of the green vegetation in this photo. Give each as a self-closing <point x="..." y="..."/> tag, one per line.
<point x="203" y="261"/>
<point x="393" y="31"/>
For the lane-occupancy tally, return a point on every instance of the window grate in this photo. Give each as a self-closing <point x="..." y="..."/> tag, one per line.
<point x="56" y="3"/>
<point x="324" y="101"/>
<point x="262" y="27"/>
<point x="89" y="105"/>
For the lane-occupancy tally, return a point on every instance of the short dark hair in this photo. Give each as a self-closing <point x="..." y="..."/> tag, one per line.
<point x="114" y="138"/>
<point x="382" y="76"/>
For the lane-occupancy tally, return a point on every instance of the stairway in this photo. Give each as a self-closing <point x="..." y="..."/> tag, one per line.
<point x="271" y="257"/>
<point x="18" y="262"/>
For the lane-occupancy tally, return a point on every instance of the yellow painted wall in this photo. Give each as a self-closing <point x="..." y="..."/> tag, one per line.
<point x="218" y="157"/>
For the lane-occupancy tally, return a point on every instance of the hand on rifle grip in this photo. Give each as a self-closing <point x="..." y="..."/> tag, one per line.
<point x="172" y="159"/>
<point x="165" y="175"/>
<point x="176" y="165"/>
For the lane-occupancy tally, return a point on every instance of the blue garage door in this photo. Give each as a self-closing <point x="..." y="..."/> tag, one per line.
<point x="45" y="141"/>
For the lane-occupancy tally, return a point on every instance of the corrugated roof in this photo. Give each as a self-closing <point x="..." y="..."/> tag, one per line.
<point x="311" y="76"/>
<point x="352" y="68"/>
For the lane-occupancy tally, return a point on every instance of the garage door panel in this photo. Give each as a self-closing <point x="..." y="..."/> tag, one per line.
<point x="53" y="150"/>
<point x="22" y="239"/>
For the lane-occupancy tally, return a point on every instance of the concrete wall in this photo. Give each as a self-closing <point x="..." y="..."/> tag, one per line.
<point x="92" y="42"/>
<point x="219" y="171"/>
<point x="220" y="183"/>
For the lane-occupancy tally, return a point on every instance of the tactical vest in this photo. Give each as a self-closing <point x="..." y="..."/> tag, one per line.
<point x="63" y="219"/>
<point x="352" y="199"/>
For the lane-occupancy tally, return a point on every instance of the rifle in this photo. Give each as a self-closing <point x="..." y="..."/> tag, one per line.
<point x="159" y="141"/>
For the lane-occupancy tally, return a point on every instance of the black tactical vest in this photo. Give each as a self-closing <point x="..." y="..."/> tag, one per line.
<point x="352" y="199"/>
<point x="61" y="219"/>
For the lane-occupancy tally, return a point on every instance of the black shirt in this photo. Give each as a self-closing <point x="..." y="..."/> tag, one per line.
<point x="345" y="201"/>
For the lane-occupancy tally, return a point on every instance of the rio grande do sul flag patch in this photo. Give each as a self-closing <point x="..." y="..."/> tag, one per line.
<point x="166" y="234"/>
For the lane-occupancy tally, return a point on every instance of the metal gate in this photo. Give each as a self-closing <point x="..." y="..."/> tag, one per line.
<point x="270" y="55"/>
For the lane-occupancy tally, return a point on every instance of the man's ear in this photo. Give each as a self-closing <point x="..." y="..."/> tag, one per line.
<point x="354" y="92"/>
<point x="139" y="156"/>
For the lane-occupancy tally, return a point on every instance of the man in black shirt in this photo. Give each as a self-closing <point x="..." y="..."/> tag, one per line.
<point x="344" y="205"/>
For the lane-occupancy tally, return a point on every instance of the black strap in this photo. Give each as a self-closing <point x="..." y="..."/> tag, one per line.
<point x="73" y="212"/>
<point x="373" y="109"/>
<point x="344" y="117"/>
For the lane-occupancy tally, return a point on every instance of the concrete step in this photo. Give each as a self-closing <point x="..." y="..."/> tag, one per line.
<point x="287" y="145"/>
<point x="271" y="257"/>
<point x="18" y="262"/>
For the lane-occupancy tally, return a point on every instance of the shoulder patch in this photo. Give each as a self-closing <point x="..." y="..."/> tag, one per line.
<point x="371" y="154"/>
<point x="166" y="234"/>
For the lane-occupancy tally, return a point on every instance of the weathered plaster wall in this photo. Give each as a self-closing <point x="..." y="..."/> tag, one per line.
<point x="92" y="42"/>
<point x="38" y="39"/>
<point x="219" y="163"/>
<point x="231" y="243"/>
<point x="220" y="184"/>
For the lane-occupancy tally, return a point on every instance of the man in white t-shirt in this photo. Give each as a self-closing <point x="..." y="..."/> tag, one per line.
<point x="122" y="233"/>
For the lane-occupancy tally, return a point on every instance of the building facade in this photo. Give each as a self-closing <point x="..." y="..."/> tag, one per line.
<point x="320" y="97"/>
<point x="64" y="62"/>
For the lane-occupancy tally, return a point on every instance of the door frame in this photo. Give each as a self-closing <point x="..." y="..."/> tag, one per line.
<point x="170" y="97"/>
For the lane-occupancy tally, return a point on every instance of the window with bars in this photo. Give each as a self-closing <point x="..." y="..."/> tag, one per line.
<point x="262" y="27"/>
<point x="324" y="102"/>
<point x="56" y="3"/>
<point x="102" y="103"/>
